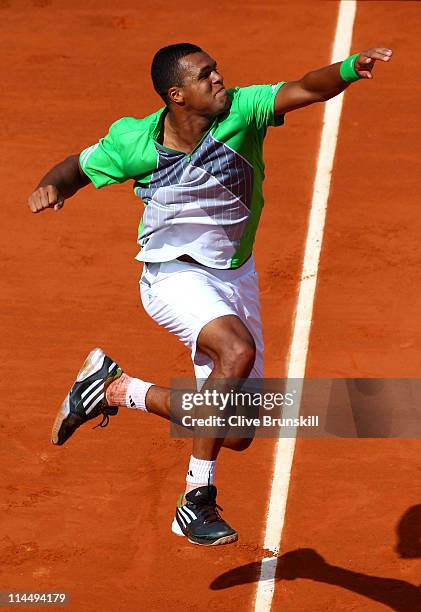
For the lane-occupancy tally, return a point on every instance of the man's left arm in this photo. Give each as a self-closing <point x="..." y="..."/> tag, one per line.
<point x="325" y="83"/>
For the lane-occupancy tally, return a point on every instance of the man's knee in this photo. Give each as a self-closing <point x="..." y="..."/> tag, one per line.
<point x="230" y="345"/>
<point x="237" y="357"/>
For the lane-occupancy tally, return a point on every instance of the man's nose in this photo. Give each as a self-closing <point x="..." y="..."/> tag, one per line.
<point x="217" y="77"/>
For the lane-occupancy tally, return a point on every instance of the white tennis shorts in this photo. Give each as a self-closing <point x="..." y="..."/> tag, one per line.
<point x="184" y="297"/>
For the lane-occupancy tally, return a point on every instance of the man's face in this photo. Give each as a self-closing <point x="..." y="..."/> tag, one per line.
<point x="203" y="86"/>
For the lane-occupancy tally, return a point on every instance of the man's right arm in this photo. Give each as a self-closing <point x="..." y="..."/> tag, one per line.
<point x="60" y="183"/>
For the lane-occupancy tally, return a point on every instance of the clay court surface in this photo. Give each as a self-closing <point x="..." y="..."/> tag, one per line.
<point x="93" y="518"/>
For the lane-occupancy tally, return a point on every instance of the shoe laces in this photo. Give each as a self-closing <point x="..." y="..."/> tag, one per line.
<point x="210" y="513"/>
<point x="208" y="507"/>
<point x="106" y="412"/>
<point x="104" y="422"/>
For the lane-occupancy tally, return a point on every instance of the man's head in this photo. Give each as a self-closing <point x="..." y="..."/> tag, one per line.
<point x="185" y="76"/>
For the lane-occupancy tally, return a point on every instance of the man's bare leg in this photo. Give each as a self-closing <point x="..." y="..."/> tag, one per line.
<point x="229" y="344"/>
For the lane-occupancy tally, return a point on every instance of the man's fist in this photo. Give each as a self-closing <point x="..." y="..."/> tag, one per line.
<point x="364" y="63"/>
<point x="45" y="197"/>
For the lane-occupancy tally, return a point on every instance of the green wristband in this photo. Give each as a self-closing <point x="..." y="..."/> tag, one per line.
<point x="347" y="70"/>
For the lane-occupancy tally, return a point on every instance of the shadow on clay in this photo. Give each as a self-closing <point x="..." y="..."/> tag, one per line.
<point x="308" y="564"/>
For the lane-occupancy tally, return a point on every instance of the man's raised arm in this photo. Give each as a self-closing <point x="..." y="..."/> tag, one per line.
<point x="60" y="183"/>
<point x="325" y="83"/>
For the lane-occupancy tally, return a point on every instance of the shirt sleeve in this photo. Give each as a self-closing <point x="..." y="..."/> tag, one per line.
<point x="257" y="105"/>
<point x="102" y="162"/>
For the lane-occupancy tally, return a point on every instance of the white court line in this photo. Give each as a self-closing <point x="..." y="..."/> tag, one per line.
<point x="284" y="450"/>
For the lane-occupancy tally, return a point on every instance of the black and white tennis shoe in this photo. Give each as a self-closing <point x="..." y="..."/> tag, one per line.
<point x="199" y="520"/>
<point x="86" y="399"/>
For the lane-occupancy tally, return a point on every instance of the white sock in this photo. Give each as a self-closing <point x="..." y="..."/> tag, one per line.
<point x="128" y="391"/>
<point x="200" y="473"/>
<point x="136" y="394"/>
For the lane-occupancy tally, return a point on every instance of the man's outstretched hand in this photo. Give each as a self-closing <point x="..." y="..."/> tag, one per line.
<point x="364" y="63"/>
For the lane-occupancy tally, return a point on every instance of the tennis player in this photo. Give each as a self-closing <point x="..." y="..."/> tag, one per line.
<point x="197" y="165"/>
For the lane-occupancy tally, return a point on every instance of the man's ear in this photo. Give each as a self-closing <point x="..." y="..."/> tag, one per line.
<point x="175" y="95"/>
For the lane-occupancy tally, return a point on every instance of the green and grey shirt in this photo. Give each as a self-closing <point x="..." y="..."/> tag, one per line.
<point x="205" y="204"/>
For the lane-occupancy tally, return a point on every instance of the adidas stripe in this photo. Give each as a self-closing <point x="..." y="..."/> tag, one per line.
<point x="91" y="386"/>
<point x="86" y="403"/>
<point x="192" y="514"/>
<point x="180" y="516"/>
<point x="186" y="514"/>
<point x="87" y="153"/>
<point x="92" y="406"/>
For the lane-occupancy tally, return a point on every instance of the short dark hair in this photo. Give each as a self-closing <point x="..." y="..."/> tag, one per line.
<point x="165" y="70"/>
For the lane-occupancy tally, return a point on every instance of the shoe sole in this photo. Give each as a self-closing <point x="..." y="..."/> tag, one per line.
<point x="93" y="363"/>
<point x="175" y="528"/>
